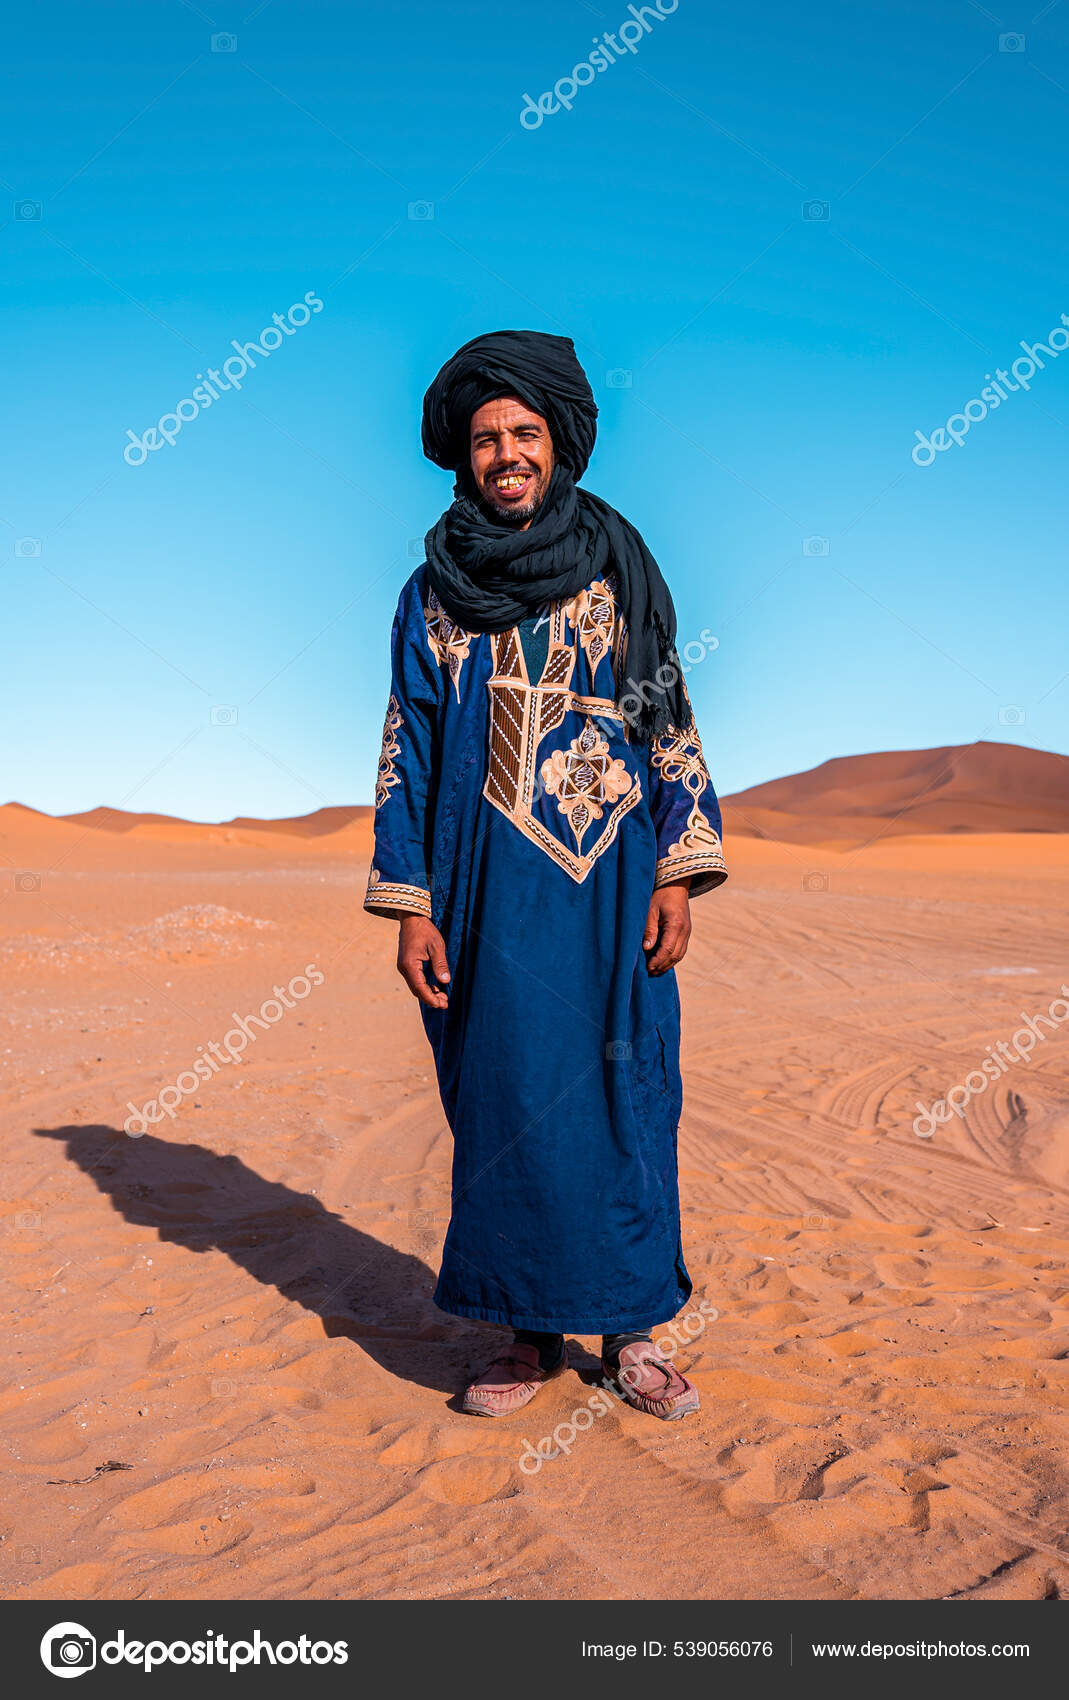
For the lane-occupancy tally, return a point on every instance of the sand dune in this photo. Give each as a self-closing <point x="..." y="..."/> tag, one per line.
<point x="235" y="1307"/>
<point x="28" y="838"/>
<point x="315" y="825"/>
<point x="981" y="787"/>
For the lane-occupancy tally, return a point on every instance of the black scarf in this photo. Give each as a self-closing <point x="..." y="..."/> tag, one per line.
<point x="489" y="576"/>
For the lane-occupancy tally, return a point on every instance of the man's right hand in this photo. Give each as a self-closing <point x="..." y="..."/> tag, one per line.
<point x="420" y="941"/>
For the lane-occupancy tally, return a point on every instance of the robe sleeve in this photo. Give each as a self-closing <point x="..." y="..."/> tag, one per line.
<point x="405" y="784"/>
<point x="686" y="813"/>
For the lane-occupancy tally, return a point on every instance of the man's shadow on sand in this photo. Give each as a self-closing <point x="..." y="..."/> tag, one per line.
<point x="362" y="1290"/>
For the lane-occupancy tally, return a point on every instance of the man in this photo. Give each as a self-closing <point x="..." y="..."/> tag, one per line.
<point x="543" y="816"/>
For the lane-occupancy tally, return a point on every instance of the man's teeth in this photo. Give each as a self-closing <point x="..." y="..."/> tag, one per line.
<point x="511" y="481"/>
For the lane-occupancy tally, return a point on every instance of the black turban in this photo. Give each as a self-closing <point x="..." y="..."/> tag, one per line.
<point x="538" y="369"/>
<point x="489" y="575"/>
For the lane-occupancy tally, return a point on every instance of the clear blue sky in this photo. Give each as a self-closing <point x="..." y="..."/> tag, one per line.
<point x="776" y="366"/>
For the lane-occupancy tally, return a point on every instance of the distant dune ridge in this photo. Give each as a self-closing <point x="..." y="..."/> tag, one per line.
<point x="981" y="787"/>
<point x="315" y="825"/>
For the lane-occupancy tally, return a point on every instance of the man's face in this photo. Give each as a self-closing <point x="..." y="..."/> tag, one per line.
<point x="511" y="459"/>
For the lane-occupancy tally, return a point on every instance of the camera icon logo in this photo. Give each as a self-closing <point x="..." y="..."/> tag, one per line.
<point x="421" y="210"/>
<point x="224" y="714"/>
<point x="815" y="880"/>
<point x="25" y="210"/>
<point x="815" y="546"/>
<point x="817" y="212"/>
<point x="27" y="548"/>
<point x="618" y="378"/>
<point x="224" y="43"/>
<point x="68" y="1649"/>
<point x="1011" y="43"/>
<point x="26" y="881"/>
<point x="618" y="1050"/>
<point x="1011" y="715"/>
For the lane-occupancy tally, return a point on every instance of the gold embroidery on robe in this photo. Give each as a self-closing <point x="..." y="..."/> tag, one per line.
<point x="393" y="894"/>
<point x="450" y="643"/>
<point x="388" y="775"/>
<point x="593" y="614"/>
<point x="678" y="757"/>
<point x="583" y="778"/>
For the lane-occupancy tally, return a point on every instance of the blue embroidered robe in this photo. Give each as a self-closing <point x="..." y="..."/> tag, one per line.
<point x="515" y="813"/>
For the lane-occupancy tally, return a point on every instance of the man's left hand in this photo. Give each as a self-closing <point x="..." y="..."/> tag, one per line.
<point x="667" y="927"/>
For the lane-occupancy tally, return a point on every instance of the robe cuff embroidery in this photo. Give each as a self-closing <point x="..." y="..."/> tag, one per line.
<point x="706" y="869"/>
<point x="690" y="847"/>
<point x="393" y="894"/>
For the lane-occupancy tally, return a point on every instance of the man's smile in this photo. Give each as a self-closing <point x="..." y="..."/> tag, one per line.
<point x="511" y="483"/>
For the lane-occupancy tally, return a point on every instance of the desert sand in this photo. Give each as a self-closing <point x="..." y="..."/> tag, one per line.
<point x="235" y="1307"/>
